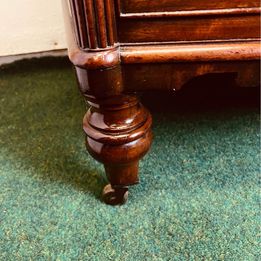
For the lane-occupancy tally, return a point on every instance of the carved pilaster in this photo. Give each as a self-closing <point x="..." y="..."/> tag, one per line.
<point x="91" y="33"/>
<point x="94" y="22"/>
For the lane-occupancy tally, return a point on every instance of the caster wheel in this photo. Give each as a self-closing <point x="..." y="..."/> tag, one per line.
<point x="114" y="196"/>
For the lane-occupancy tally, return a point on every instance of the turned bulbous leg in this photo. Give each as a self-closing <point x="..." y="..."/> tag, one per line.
<point x="117" y="126"/>
<point x="118" y="134"/>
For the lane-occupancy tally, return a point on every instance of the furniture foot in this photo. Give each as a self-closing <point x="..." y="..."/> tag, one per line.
<point x="118" y="134"/>
<point x="115" y="195"/>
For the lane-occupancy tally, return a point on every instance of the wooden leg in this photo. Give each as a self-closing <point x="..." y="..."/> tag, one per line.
<point x="117" y="126"/>
<point x="118" y="134"/>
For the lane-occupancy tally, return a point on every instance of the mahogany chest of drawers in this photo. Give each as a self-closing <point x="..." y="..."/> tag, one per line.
<point x="119" y="47"/>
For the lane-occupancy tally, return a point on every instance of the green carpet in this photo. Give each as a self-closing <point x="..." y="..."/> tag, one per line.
<point x="199" y="193"/>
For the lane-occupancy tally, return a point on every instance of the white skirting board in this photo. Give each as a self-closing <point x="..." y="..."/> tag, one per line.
<point x="13" y="58"/>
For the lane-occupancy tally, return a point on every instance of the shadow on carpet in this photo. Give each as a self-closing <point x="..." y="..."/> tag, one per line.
<point x="199" y="193"/>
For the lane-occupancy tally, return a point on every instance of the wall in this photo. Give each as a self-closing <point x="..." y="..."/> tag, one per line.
<point x="29" y="26"/>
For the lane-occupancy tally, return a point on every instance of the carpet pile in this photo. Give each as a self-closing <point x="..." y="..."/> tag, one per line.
<point x="199" y="192"/>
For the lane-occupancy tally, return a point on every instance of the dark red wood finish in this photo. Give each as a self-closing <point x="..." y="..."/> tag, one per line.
<point x="119" y="47"/>
<point x="141" y="6"/>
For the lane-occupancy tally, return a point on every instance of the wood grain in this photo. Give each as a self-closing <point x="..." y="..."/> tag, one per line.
<point x="150" y="45"/>
<point x="140" y="6"/>
<point x="191" y="52"/>
<point x="193" y="29"/>
<point x="94" y="23"/>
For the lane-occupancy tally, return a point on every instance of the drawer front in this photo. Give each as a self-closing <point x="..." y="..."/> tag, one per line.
<point x="189" y="29"/>
<point x="144" y="21"/>
<point x="140" y="6"/>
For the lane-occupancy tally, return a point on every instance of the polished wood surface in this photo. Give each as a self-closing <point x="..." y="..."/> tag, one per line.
<point x="189" y="29"/>
<point x="140" y="6"/>
<point x="117" y="127"/>
<point x="119" y="47"/>
<point x="94" y="23"/>
<point x="196" y="52"/>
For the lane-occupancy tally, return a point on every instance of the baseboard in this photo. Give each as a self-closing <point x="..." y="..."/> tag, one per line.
<point x="13" y="58"/>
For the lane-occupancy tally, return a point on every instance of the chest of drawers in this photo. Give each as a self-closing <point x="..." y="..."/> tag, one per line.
<point x="119" y="47"/>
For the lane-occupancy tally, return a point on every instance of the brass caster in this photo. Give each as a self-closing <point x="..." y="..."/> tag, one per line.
<point x="115" y="195"/>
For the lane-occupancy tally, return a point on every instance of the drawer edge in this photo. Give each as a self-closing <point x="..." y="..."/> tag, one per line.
<point x="191" y="52"/>
<point x="187" y="13"/>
